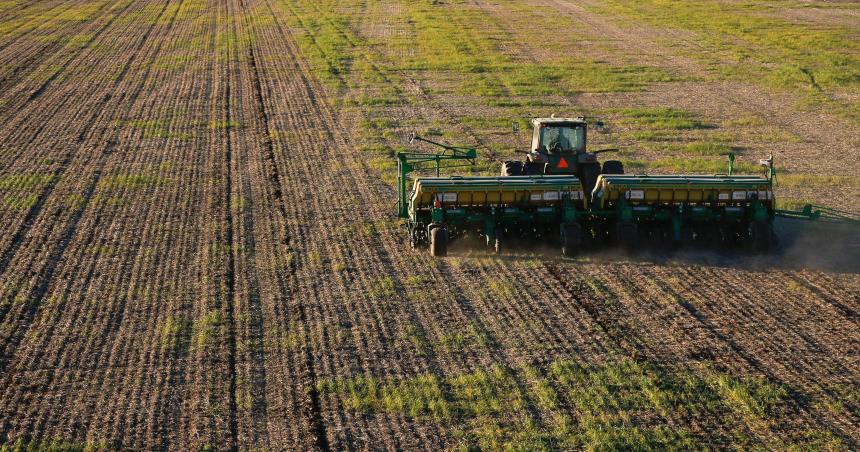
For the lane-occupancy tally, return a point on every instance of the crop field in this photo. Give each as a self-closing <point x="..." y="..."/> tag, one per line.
<point x="199" y="248"/>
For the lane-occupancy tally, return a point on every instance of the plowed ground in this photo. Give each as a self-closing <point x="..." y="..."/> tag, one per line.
<point x="196" y="252"/>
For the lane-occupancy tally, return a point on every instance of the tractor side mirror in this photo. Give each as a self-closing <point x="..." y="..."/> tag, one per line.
<point x="411" y="137"/>
<point x="601" y="127"/>
<point x="515" y="127"/>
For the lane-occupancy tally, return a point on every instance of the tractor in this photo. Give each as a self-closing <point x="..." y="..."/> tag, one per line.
<point x="559" y="146"/>
<point x="561" y="194"/>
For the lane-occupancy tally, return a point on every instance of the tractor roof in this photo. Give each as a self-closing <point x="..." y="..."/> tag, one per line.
<point x="539" y="121"/>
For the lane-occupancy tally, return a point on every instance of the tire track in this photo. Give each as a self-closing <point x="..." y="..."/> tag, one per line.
<point x="230" y="163"/>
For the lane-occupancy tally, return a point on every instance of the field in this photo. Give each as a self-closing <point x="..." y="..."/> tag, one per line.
<point x="199" y="250"/>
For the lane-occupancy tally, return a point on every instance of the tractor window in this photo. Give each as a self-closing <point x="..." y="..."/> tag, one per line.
<point x="563" y="138"/>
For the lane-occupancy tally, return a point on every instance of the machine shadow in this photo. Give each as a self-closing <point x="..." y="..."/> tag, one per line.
<point x="800" y="245"/>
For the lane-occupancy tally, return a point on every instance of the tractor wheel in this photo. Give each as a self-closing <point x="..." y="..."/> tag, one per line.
<point x="628" y="235"/>
<point x="590" y="171"/>
<point x="533" y="168"/>
<point x="571" y="239"/>
<point x="417" y="237"/>
<point x="761" y="236"/>
<point x="439" y="242"/>
<point x="613" y="167"/>
<point x="512" y="168"/>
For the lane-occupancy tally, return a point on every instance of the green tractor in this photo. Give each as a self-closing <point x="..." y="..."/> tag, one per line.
<point x="562" y="195"/>
<point x="559" y="146"/>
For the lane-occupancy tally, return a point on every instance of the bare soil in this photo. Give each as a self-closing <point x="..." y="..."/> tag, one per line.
<point x="191" y="242"/>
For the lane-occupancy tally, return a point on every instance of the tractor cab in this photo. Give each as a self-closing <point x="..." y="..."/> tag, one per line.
<point x="559" y="147"/>
<point x="558" y="136"/>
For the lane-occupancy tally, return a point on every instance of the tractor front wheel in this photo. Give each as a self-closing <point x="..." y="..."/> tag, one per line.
<point x="590" y="171"/>
<point x="439" y="242"/>
<point x="613" y="167"/>
<point x="534" y="169"/>
<point x="512" y="168"/>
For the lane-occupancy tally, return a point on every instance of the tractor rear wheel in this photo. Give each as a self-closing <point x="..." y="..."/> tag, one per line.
<point x="571" y="239"/>
<point x="590" y="171"/>
<point x="613" y="167"/>
<point x="512" y="168"/>
<point x="761" y="236"/>
<point x="627" y="233"/>
<point x="533" y="168"/>
<point x="439" y="242"/>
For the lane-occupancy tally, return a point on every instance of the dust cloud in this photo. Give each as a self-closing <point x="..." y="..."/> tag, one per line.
<point x="800" y="244"/>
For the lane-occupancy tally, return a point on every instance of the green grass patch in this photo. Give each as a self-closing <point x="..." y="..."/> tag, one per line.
<point x="224" y="124"/>
<point x="131" y="182"/>
<point x="383" y="288"/>
<point x="616" y="405"/>
<point x="415" y="335"/>
<point x="378" y="124"/>
<point x="468" y="339"/>
<point x="22" y="202"/>
<point x="708" y="148"/>
<point x="792" y="180"/>
<point x="651" y="135"/>
<point x="52" y="445"/>
<point x="374" y="101"/>
<point x="501" y="289"/>
<point x="419" y="396"/>
<point x="745" y="121"/>
<point x="25" y="181"/>
<point x="748" y="41"/>
<point x="151" y="128"/>
<point x="751" y="397"/>
<point x="175" y="332"/>
<point x="661" y="118"/>
<point x="79" y="13"/>
<point x="687" y="165"/>
<point x="208" y="328"/>
<point x="78" y="41"/>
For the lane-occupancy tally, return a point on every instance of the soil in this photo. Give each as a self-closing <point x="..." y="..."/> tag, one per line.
<point x="199" y="244"/>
